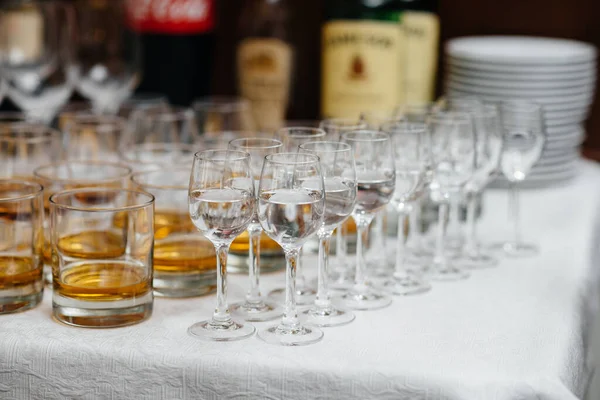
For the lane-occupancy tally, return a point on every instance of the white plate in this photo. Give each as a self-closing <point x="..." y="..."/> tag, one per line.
<point x="549" y="103"/>
<point x="587" y="91"/>
<point x="556" y="160"/>
<point x="527" y="78"/>
<point x="580" y="84"/>
<point x="521" y="49"/>
<point x="543" y="169"/>
<point x="585" y="67"/>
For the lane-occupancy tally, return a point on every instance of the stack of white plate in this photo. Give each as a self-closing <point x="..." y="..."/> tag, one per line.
<point x="558" y="74"/>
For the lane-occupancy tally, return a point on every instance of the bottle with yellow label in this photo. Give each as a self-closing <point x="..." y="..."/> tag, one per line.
<point x="378" y="55"/>
<point x="264" y="60"/>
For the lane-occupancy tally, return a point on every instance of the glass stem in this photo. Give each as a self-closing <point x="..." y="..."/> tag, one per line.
<point x="400" y="270"/>
<point x="290" y="313"/>
<point x="440" y="257"/>
<point x="221" y="315"/>
<point x="414" y="233"/>
<point x="378" y="244"/>
<point x="300" y="280"/>
<point x="322" y="301"/>
<point x="514" y="211"/>
<point x="453" y="227"/>
<point x="362" y="227"/>
<point x="471" y="245"/>
<point x="253" y="296"/>
<point x="340" y="248"/>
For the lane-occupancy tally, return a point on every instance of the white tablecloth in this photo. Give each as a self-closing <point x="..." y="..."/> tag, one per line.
<point x="519" y="331"/>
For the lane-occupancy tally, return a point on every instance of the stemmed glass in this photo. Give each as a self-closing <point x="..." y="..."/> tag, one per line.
<point x="292" y="138"/>
<point x="453" y="158"/>
<point x="523" y="133"/>
<point x="291" y="203"/>
<point x="109" y="54"/>
<point x="376" y="179"/>
<point x="411" y="145"/>
<point x="221" y="205"/>
<point x="255" y="308"/>
<point x="38" y="64"/>
<point x="487" y="161"/>
<point x="343" y="273"/>
<point x="339" y="175"/>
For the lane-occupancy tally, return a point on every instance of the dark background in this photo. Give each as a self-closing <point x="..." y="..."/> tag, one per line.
<point x="575" y="19"/>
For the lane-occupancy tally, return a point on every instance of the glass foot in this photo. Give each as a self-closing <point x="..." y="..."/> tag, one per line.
<point x="406" y="286"/>
<point x="364" y="299"/>
<point x="256" y="312"/>
<point x="304" y="295"/>
<point x="447" y="273"/>
<point x="328" y="317"/>
<point x="513" y="249"/>
<point x="208" y="330"/>
<point x="478" y="260"/>
<point x="295" y="336"/>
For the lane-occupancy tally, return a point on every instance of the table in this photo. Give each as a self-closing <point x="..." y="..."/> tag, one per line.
<point x="519" y="331"/>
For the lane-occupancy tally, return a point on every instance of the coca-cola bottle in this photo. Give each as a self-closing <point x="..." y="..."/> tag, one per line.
<point x="178" y="40"/>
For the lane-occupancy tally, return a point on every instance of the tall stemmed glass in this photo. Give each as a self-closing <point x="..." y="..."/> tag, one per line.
<point x="222" y="205"/>
<point x="109" y="54"/>
<point x="339" y="175"/>
<point x="376" y="179"/>
<point x="343" y="276"/>
<point x="291" y="203"/>
<point x="38" y="63"/>
<point x="255" y="308"/>
<point x="292" y="138"/>
<point x="453" y="158"/>
<point x="487" y="162"/>
<point x="411" y="145"/>
<point x="524" y="138"/>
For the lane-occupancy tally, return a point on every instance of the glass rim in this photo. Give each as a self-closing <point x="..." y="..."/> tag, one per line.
<point x="161" y="112"/>
<point x="47" y="133"/>
<point x="37" y="190"/>
<point x="126" y="169"/>
<point x="315" y="132"/>
<point x="404" y="126"/>
<point x="55" y="196"/>
<point x="341" y="123"/>
<point x="220" y="103"/>
<point x="241" y="155"/>
<point x="275" y="143"/>
<point x="291" y="158"/>
<point x="162" y="171"/>
<point x="345" y="146"/>
<point x="163" y="147"/>
<point x="355" y="136"/>
<point x="461" y="117"/>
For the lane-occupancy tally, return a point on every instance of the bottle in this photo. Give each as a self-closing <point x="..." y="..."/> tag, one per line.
<point x="377" y="55"/>
<point x="264" y="57"/>
<point x="178" y="42"/>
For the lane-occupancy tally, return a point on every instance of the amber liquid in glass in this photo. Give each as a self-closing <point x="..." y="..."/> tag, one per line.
<point x="178" y="247"/>
<point x="93" y="245"/>
<point x="241" y="244"/>
<point x="103" y="281"/>
<point x="17" y="272"/>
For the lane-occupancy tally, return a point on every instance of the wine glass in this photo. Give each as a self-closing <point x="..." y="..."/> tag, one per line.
<point x="38" y="64"/>
<point x="108" y="52"/>
<point x="339" y="176"/>
<point x="410" y="141"/>
<point x="523" y="133"/>
<point x="376" y="179"/>
<point x="453" y="159"/>
<point x="221" y="113"/>
<point x="292" y="138"/>
<point x="487" y="162"/>
<point x="255" y="308"/>
<point x="291" y="203"/>
<point x="343" y="273"/>
<point x="222" y="205"/>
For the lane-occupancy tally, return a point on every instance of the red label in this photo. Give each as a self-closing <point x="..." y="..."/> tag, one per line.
<point x="171" y="16"/>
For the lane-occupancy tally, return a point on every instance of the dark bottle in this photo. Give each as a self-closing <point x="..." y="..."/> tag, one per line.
<point x="377" y="55"/>
<point x="178" y="41"/>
